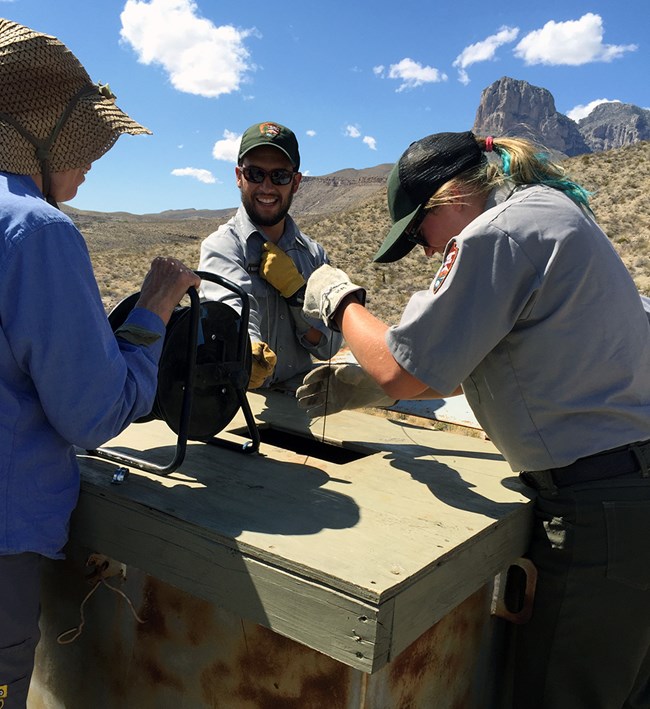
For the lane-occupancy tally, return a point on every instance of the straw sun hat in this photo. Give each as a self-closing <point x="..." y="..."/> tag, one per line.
<point x="52" y="117"/>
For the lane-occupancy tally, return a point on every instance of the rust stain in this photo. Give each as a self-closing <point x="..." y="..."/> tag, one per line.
<point x="441" y="662"/>
<point x="175" y="622"/>
<point x="155" y="623"/>
<point x="189" y="652"/>
<point x="194" y="615"/>
<point x="274" y="672"/>
<point x="413" y="662"/>
<point x="157" y="674"/>
<point x="212" y="680"/>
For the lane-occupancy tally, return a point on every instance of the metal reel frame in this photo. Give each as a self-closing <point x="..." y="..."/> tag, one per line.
<point x="238" y="377"/>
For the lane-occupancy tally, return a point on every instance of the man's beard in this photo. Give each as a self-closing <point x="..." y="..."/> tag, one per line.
<point x="266" y="220"/>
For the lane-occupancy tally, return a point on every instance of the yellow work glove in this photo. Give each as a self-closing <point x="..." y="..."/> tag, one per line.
<point x="263" y="363"/>
<point x="280" y="271"/>
<point x="335" y="387"/>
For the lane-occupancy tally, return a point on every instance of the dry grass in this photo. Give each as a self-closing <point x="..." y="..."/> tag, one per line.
<point x="620" y="181"/>
<point x="122" y="250"/>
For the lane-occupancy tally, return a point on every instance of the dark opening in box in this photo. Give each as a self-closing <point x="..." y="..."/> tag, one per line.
<point x="311" y="447"/>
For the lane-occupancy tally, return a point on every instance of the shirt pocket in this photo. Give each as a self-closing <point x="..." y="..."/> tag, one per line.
<point x="628" y="543"/>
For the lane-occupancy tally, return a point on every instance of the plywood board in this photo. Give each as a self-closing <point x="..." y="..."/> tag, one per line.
<point x="360" y="539"/>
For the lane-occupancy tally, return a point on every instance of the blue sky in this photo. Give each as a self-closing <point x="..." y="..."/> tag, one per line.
<point x="357" y="82"/>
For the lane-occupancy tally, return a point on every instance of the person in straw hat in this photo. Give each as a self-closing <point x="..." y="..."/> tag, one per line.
<point x="535" y="317"/>
<point x="65" y="378"/>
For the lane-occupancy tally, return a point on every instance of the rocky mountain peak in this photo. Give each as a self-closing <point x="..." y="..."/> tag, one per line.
<point x="614" y="124"/>
<point x="511" y="107"/>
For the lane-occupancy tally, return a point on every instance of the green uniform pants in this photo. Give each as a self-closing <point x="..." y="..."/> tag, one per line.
<point x="587" y="645"/>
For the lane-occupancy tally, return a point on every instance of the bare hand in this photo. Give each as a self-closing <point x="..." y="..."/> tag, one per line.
<point x="166" y="283"/>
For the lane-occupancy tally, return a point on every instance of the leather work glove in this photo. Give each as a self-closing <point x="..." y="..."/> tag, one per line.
<point x="326" y="288"/>
<point x="280" y="271"/>
<point x="332" y="388"/>
<point x="263" y="363"/>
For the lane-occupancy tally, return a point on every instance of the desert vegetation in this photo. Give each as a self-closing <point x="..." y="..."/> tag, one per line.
<point x="620" y="182"/>
<point x="122" y="247"/>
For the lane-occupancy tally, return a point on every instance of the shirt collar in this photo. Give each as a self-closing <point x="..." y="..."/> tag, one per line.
<point x="248" y="228"/>
<point x="500" y="194"/>
<point x="27" y="181"/>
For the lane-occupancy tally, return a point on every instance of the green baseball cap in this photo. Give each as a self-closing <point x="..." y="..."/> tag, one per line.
<point x="270" y="133"/>
<point x="423" y="168"/>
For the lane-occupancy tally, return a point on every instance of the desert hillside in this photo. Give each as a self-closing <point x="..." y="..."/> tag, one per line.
<point x="122" y="246"/>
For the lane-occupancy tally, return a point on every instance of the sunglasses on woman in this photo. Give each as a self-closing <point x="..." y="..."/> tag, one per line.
<point x="412" y="231"/>
<point x="277" y="177"/>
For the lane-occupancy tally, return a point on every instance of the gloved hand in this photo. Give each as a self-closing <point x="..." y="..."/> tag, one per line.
<point x="280" y="271"/>
<point x="263" y="363"/>
<point x="336" y="387"/>
<point x="326" y="288"/>
<point x="300" y="320"/>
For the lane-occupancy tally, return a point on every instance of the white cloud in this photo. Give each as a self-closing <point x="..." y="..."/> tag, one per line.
<point x="483" y="51"/>
<point x="378" y="70"/>
<point x="413" y="74"/>
<point x="199" y="57"/>
<point x="311" y="133"/>
<point x="579" y="112"/>
<point x="354" y="132"/>
<point x="197" y="173"/>
<point x="228" y="148"/>
<point x="573" y="43"/>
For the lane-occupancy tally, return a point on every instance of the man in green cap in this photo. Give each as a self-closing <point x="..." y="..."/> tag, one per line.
<point x="262" y="250"/>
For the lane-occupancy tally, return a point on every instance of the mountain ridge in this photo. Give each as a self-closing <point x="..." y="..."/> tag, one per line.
<point x="512" y="107"/>
<point x="508" y="107"/>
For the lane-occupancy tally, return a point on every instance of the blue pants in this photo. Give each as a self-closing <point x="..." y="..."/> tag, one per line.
<point x="587" y="645"/>
<point x="20" y="576"/>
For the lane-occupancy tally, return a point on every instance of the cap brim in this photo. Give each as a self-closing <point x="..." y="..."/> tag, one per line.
<point x="396" y="245"/>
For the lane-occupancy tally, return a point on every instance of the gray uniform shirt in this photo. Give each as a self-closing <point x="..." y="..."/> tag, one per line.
<point x="538" y="318"/>
<point x="234" y="252"/>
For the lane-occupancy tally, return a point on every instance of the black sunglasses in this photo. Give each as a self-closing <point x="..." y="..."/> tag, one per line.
<point x="412" y="231"/>
<point x="257" y="175"/>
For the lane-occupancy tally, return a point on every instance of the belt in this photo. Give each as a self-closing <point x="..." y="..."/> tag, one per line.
<point x="613" y="463"/>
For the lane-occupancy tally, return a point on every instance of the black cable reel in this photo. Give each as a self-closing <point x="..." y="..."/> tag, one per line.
<point x="203" y="373"/>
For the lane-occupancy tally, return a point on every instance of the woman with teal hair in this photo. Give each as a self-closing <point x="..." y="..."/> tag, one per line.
<point x="534" y="317"/>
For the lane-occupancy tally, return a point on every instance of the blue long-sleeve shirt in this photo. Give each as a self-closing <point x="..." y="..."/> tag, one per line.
<point x="65" y="379"/>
